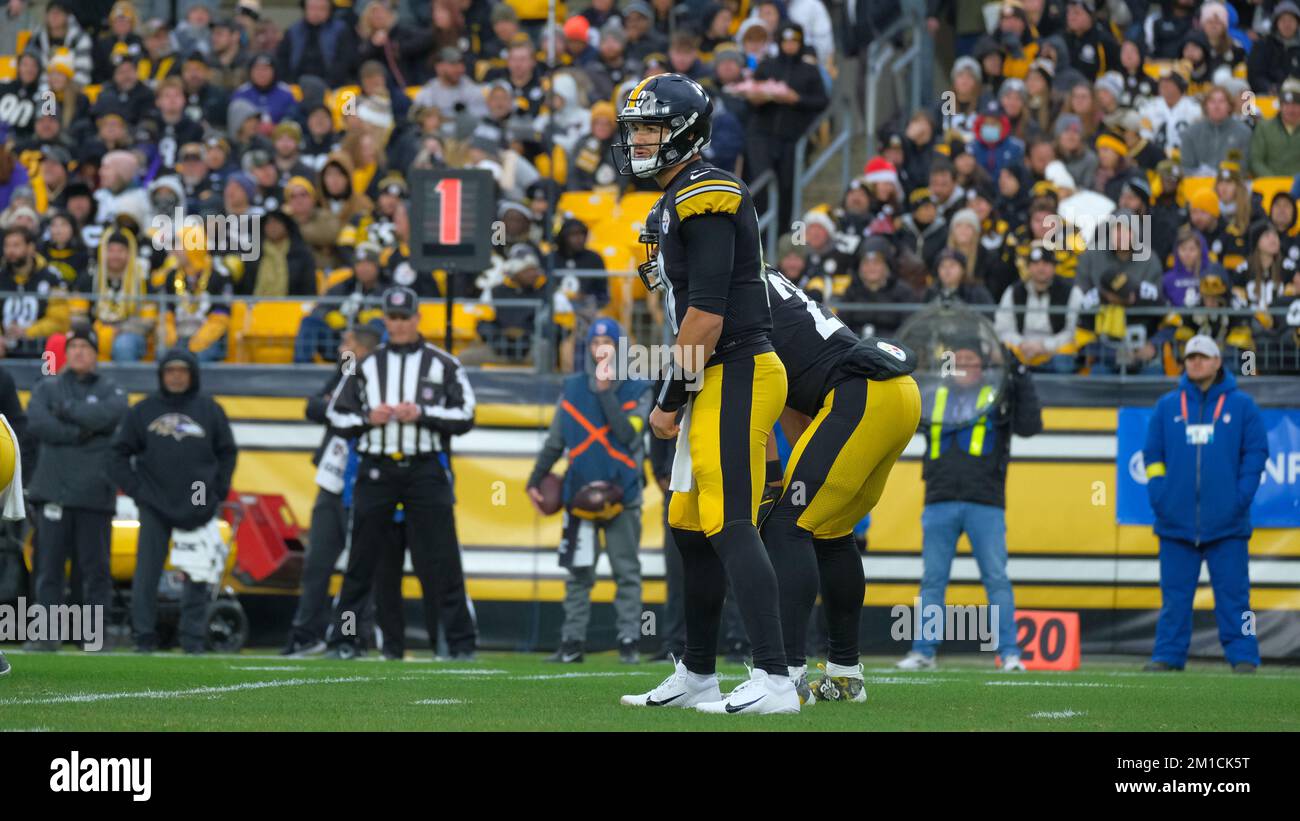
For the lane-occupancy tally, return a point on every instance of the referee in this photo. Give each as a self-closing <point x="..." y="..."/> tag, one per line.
<point x="403" y="403"/>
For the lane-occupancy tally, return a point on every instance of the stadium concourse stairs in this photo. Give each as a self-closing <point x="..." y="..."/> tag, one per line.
<point x="1067" y="550"/>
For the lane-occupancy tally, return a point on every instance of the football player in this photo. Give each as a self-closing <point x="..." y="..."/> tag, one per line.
<point x="725" y="395"/>
<point x="851" y="410"/>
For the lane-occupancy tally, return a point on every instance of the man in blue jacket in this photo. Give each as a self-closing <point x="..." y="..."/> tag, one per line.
<point x="1205" y="449"/>
<point x="598" y="424"/>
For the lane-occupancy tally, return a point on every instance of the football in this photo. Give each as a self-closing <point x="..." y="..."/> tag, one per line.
<point x="552" y="489"/>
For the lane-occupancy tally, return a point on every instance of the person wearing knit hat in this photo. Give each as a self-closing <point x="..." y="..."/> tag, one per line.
<point x="1206" y="201"/>
<point x="879" y="170"/>
<point x="967" y="65"/>
<point x="1109" y="142"/>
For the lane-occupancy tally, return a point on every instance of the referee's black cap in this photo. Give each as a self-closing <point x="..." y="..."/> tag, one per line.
<point x="400" y="301"/>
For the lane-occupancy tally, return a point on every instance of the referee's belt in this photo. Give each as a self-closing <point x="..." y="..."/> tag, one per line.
<point x="401" y="459"/>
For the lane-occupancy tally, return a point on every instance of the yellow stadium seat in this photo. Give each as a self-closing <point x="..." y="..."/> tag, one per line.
<point x="411" y="91"/>
<point x="1190" y="186"/>
<point x="1267" y="106"/>
<point x="271" y="329"/>
<point x="297" y="91"/>
<point x="634" y="205"/>
<point x="1267" y="187"/>
<point x="588" y="206"/>
<point x="464" y="322"/>
<point x="8" y="68"/>
<point x="234" y="336"/>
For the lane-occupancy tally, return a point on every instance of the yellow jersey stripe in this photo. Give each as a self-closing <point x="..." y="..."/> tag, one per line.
<point x="709" y="202"/>
<point x="693" y="186"/>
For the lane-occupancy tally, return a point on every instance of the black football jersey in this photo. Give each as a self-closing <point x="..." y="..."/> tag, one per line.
<point x="701" y="189"/>
<point x="810" y="341"/>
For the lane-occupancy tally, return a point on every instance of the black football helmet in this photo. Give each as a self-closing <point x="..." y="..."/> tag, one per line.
<point x="651" y="273"/>
<point x="680" y="106"/>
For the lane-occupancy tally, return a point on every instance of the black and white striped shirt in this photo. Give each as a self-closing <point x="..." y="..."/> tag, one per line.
<point x="418" y="372"/>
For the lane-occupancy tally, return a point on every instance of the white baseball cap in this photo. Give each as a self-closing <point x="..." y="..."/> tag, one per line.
<point x="1203" y="345"/>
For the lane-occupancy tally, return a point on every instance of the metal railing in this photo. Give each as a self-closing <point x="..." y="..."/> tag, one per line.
<point x="1276" y="347"/>
<point x="885" y="63"/>
<point x="769" y="227"/>
<point x="841" y="145"/>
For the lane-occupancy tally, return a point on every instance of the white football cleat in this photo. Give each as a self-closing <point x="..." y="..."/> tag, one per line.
<point x="917" y="661"/>
<point x="681" y="689"/>
<point x="760" y="694"/>
<point x="1013" y="664"/>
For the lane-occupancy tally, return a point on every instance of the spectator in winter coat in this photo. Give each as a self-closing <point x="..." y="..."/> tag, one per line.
<point x="994" y="147"/>
<point x="1276" y="56"/>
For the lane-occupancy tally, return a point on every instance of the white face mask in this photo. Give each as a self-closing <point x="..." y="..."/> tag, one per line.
<point x="991" y="133"/>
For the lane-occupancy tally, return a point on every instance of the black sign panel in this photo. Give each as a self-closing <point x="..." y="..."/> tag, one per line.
<point x="451" y="219"/>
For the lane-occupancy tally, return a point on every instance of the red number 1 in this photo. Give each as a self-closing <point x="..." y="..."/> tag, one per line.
<point x="448" y="188"/>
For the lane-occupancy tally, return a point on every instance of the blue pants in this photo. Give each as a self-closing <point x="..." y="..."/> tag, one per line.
<point x="943" y="523"/>
<point x="315" y="337"/>
<point x="128" y="347"/>
<point x="1180" y="568"/>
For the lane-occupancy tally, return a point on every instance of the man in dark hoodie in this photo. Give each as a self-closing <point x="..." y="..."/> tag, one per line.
<point x="174" y="455"/>
<point x="73" y="415"/>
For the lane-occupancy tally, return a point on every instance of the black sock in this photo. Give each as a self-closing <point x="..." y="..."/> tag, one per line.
<point x="790" y="548"/>
<point x="704" y="585"/>
<point x="843" y="585"/>
<point x="754" y="584"/>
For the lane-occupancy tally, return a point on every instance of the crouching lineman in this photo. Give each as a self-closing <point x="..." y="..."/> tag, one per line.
<point x="721" y="407"/>
<point x="864" y="408"/>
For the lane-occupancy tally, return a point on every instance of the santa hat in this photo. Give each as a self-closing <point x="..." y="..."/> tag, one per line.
<point x="879" y="169"/>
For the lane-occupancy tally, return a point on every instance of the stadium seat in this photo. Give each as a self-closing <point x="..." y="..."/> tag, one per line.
<point x="588" y="206"/>
<point x="271" y="329"/>
<point x="8" y="68"/>
<point x="634" y="205"/>
<point x="1267" y="106"/>
<point x="235" y="336"/>
<point x="1267" y="187"/>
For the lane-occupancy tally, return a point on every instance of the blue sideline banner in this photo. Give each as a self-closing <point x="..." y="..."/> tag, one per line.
<point x="1277" y="504"/>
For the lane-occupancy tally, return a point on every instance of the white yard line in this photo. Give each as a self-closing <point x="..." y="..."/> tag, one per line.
<point x="439" y="701"/>
<point x="86" y="698"/>
<point x="555" y="676"/>
<point x="1052" y="684"/>
<point x="1059" y="714"/>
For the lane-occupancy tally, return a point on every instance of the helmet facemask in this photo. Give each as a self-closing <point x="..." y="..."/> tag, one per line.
<point x="650" y="272"/>
<point x="677" y="140"/>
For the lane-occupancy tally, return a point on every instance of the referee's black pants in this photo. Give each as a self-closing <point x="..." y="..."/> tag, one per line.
<point x="422" y="488"/>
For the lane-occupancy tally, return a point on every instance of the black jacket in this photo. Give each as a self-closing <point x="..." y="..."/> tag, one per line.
<point x="789" y="122"/>
<point x="167" y="444"/>
<point x="883" y="321"/>
<point x="316" y="407"/>
<point x="958" y="475"/>
<point x="73" y="418"/>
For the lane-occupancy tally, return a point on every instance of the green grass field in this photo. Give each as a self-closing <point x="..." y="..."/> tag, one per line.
<point x="119" y="691"/>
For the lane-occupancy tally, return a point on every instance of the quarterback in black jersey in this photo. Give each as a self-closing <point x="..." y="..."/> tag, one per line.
<point x="851" y="410"/>
<point x="723" y="401"/>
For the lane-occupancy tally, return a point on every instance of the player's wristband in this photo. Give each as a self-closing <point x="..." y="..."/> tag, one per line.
<point x="773" y="471"/>
<point x="672" y="397"/>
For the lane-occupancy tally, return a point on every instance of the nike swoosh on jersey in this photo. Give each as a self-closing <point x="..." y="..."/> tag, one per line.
<point x="732" y="708"/>
<point x="695" y="175"/>
<point x="652" y="703"/>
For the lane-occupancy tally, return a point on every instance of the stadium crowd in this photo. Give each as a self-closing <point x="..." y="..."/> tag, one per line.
<point x="1176" y="119"/>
